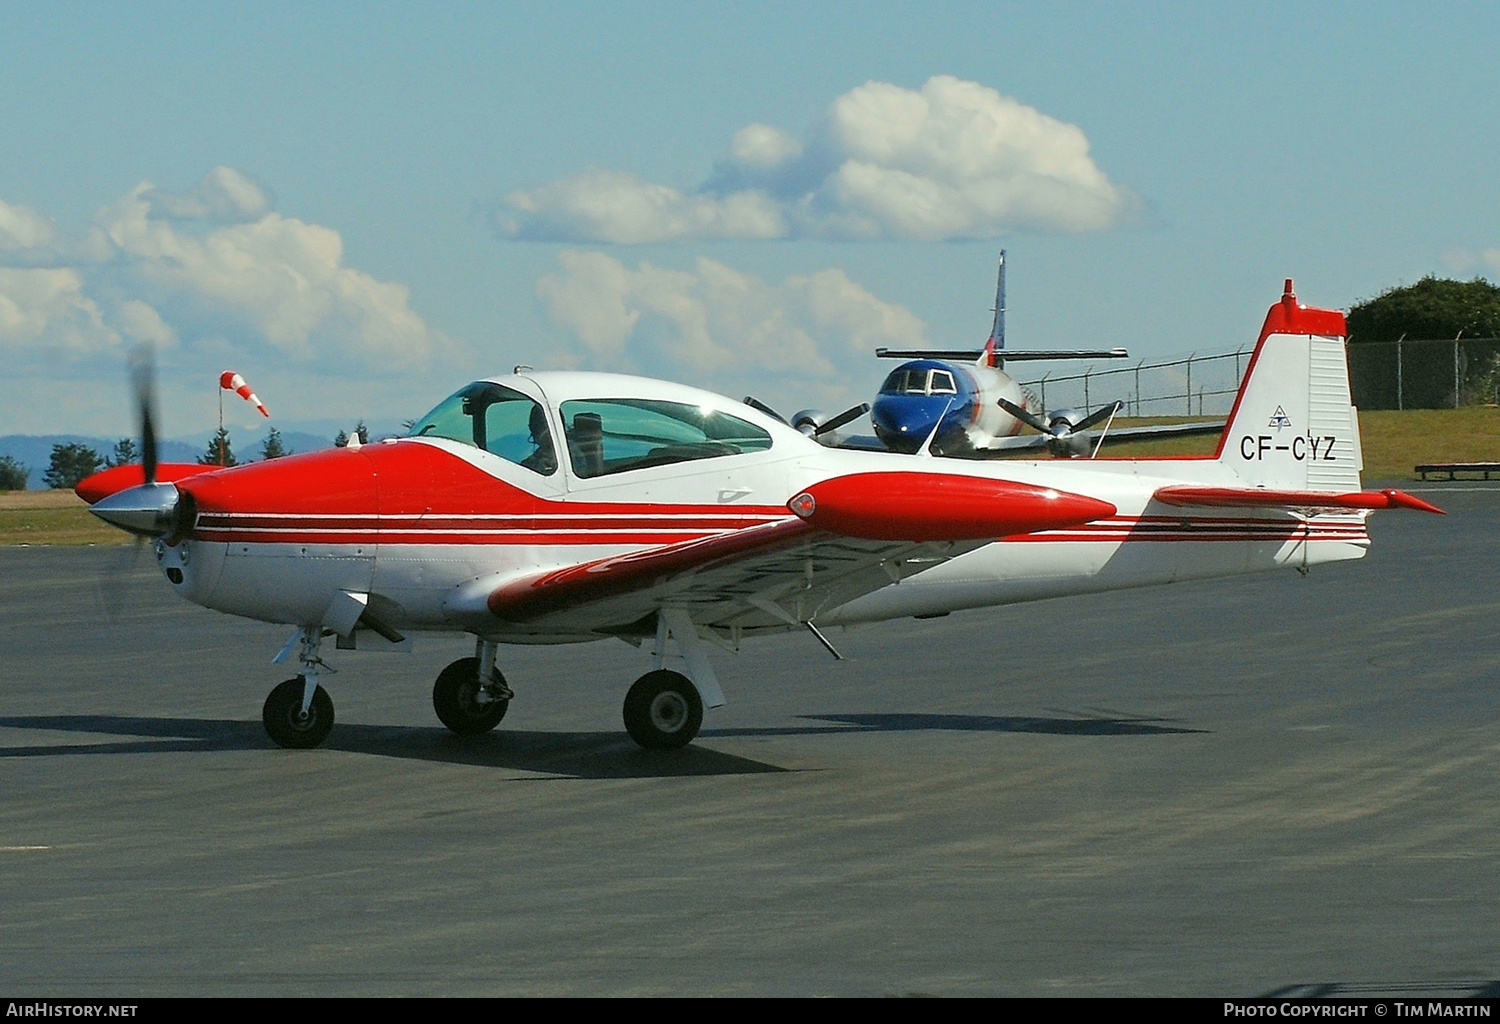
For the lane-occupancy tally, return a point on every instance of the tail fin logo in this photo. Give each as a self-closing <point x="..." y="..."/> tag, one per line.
<point x="1280" y="419"/>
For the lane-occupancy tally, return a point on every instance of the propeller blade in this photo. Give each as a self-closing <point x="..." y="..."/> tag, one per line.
<point x="1098" y="415"/>
<point x="847" y="416"/>
<point x="1024" y="416"/>
<point x="143" y="377"/>
<point x="760" y="406"/>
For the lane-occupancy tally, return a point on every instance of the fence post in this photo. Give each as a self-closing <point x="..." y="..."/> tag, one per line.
<point x="1086" y="387"/>
<point x="1400" y="390"/>
<point x="1455" y="372"/>
<point x="1190" y="384"/>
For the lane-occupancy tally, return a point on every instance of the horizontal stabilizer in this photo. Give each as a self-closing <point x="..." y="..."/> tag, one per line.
<point x="972" y="354"/>
<point x="1256" y="497"/>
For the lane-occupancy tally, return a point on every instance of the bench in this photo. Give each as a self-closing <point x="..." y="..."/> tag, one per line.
<point x="1455" y="468"/>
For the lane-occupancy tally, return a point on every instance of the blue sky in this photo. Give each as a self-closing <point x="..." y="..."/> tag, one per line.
<point x="360" y="207"/>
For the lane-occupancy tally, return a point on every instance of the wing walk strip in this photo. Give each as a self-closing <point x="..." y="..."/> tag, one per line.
<point x="669" y="529"/>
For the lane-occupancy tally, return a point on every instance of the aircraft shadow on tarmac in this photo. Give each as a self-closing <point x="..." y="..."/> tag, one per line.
<point x="590" y="755"/>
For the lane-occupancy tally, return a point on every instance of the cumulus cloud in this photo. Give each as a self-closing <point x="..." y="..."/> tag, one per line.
<point x="719" y="327"/>
<point x="224" y="194"/>
<point x="250" y="280"/>
<point x="952" y="160"/>
<point x="21" y="228"/>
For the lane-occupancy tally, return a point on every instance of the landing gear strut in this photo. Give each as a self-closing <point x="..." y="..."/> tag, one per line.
<point x="663" y="710"/>
<point x="470" y="695"/>
<point x="291" y="726"/>
<point x="299" y="712"/>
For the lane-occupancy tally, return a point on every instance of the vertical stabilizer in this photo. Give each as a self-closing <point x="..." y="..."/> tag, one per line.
<point x="1293" y="426"/>
<point x="997" y="330"/>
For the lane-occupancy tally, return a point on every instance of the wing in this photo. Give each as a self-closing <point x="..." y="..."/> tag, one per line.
<point x="761" y="578"/>
<point x="849" y="536"/>
<point x="862" y="443"/>
<point x="1003" y="446"/>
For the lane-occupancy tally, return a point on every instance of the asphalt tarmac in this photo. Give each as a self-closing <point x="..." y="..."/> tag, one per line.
<point x="1264" y="785"/>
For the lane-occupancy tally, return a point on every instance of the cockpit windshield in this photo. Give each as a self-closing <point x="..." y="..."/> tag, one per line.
<point x="501" y="421"/>
<point x="919" y="381"/>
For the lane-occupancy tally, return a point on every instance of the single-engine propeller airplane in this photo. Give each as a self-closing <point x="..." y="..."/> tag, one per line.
<point x="543" y="508"/>
<point x="962" y="403"/>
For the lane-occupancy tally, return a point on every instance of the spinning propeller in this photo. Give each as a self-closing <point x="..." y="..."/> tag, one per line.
<point x="150" y="509"/>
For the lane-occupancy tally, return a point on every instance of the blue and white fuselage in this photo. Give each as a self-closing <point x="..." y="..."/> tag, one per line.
<point x="957" y="400"/>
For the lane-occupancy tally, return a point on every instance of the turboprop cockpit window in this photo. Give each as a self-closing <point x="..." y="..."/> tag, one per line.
<point x="501" y="421"/>
<point x="613" y="435"/>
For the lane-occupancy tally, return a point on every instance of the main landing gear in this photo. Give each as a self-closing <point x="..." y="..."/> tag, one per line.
<point x="470" y="695"/>
<point x="663" y="709"/>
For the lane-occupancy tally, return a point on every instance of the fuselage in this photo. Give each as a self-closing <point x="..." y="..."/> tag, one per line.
<point x="427" y="525"/>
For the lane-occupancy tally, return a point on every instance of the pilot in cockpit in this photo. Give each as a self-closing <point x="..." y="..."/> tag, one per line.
<point x="544" y="459"/>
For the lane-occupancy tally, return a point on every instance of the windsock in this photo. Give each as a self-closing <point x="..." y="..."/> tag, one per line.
<point x="231" y="381"/>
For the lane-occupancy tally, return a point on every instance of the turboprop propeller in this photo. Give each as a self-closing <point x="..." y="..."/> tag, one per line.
<point x="1067" y="436"/>
<point x="814" y="423"/>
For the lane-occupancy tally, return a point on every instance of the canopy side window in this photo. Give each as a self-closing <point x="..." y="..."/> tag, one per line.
<point x="615" y="435"/>
<point x="501" y="421"/>
<point x="941" y="383"/>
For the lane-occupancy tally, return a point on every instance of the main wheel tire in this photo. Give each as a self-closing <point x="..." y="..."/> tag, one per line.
<point x="287" y="725"/>
<point x="663" y="710"/>
<point x="455" y="698"/>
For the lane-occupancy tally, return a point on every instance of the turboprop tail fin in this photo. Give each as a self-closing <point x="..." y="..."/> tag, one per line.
<point x="1293" y="426"/>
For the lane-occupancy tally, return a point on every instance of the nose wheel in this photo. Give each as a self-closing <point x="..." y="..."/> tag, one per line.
<point x="288" y="724"/>
<point x="663" y="710"/>
<point x="463" y="705"/>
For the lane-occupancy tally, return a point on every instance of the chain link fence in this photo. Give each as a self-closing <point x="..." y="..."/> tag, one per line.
<point x="1190" y="386"/>
<point x="1425" y="374"/>
<point x="1419" y="374"/>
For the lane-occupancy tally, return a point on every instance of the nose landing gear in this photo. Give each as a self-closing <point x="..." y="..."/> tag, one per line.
<point x="289" y="723"/>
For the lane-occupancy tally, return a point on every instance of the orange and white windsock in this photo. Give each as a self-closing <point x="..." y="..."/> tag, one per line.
<point x="231" y="381"/>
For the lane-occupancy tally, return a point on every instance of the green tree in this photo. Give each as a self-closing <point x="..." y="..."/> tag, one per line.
<point x="219" y="452"/>
<point x="12" y="474"/>
<point x="341" y="440"/>
<point x="70" y="464"/>
<point x="1433" y="308"/>
<point x="272" y="448"/>
<point x="124" y="454"/>
<point x="1402" y="348"/>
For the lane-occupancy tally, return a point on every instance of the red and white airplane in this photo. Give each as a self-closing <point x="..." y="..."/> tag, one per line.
<point x="545" y="508"/>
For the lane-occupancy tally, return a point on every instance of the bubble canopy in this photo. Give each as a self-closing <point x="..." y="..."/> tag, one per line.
<point x="603" y="436"/>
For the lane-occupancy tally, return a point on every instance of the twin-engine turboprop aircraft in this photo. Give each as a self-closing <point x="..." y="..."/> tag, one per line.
<point x="962" y="403"/>
<point x="559" y="507"/>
